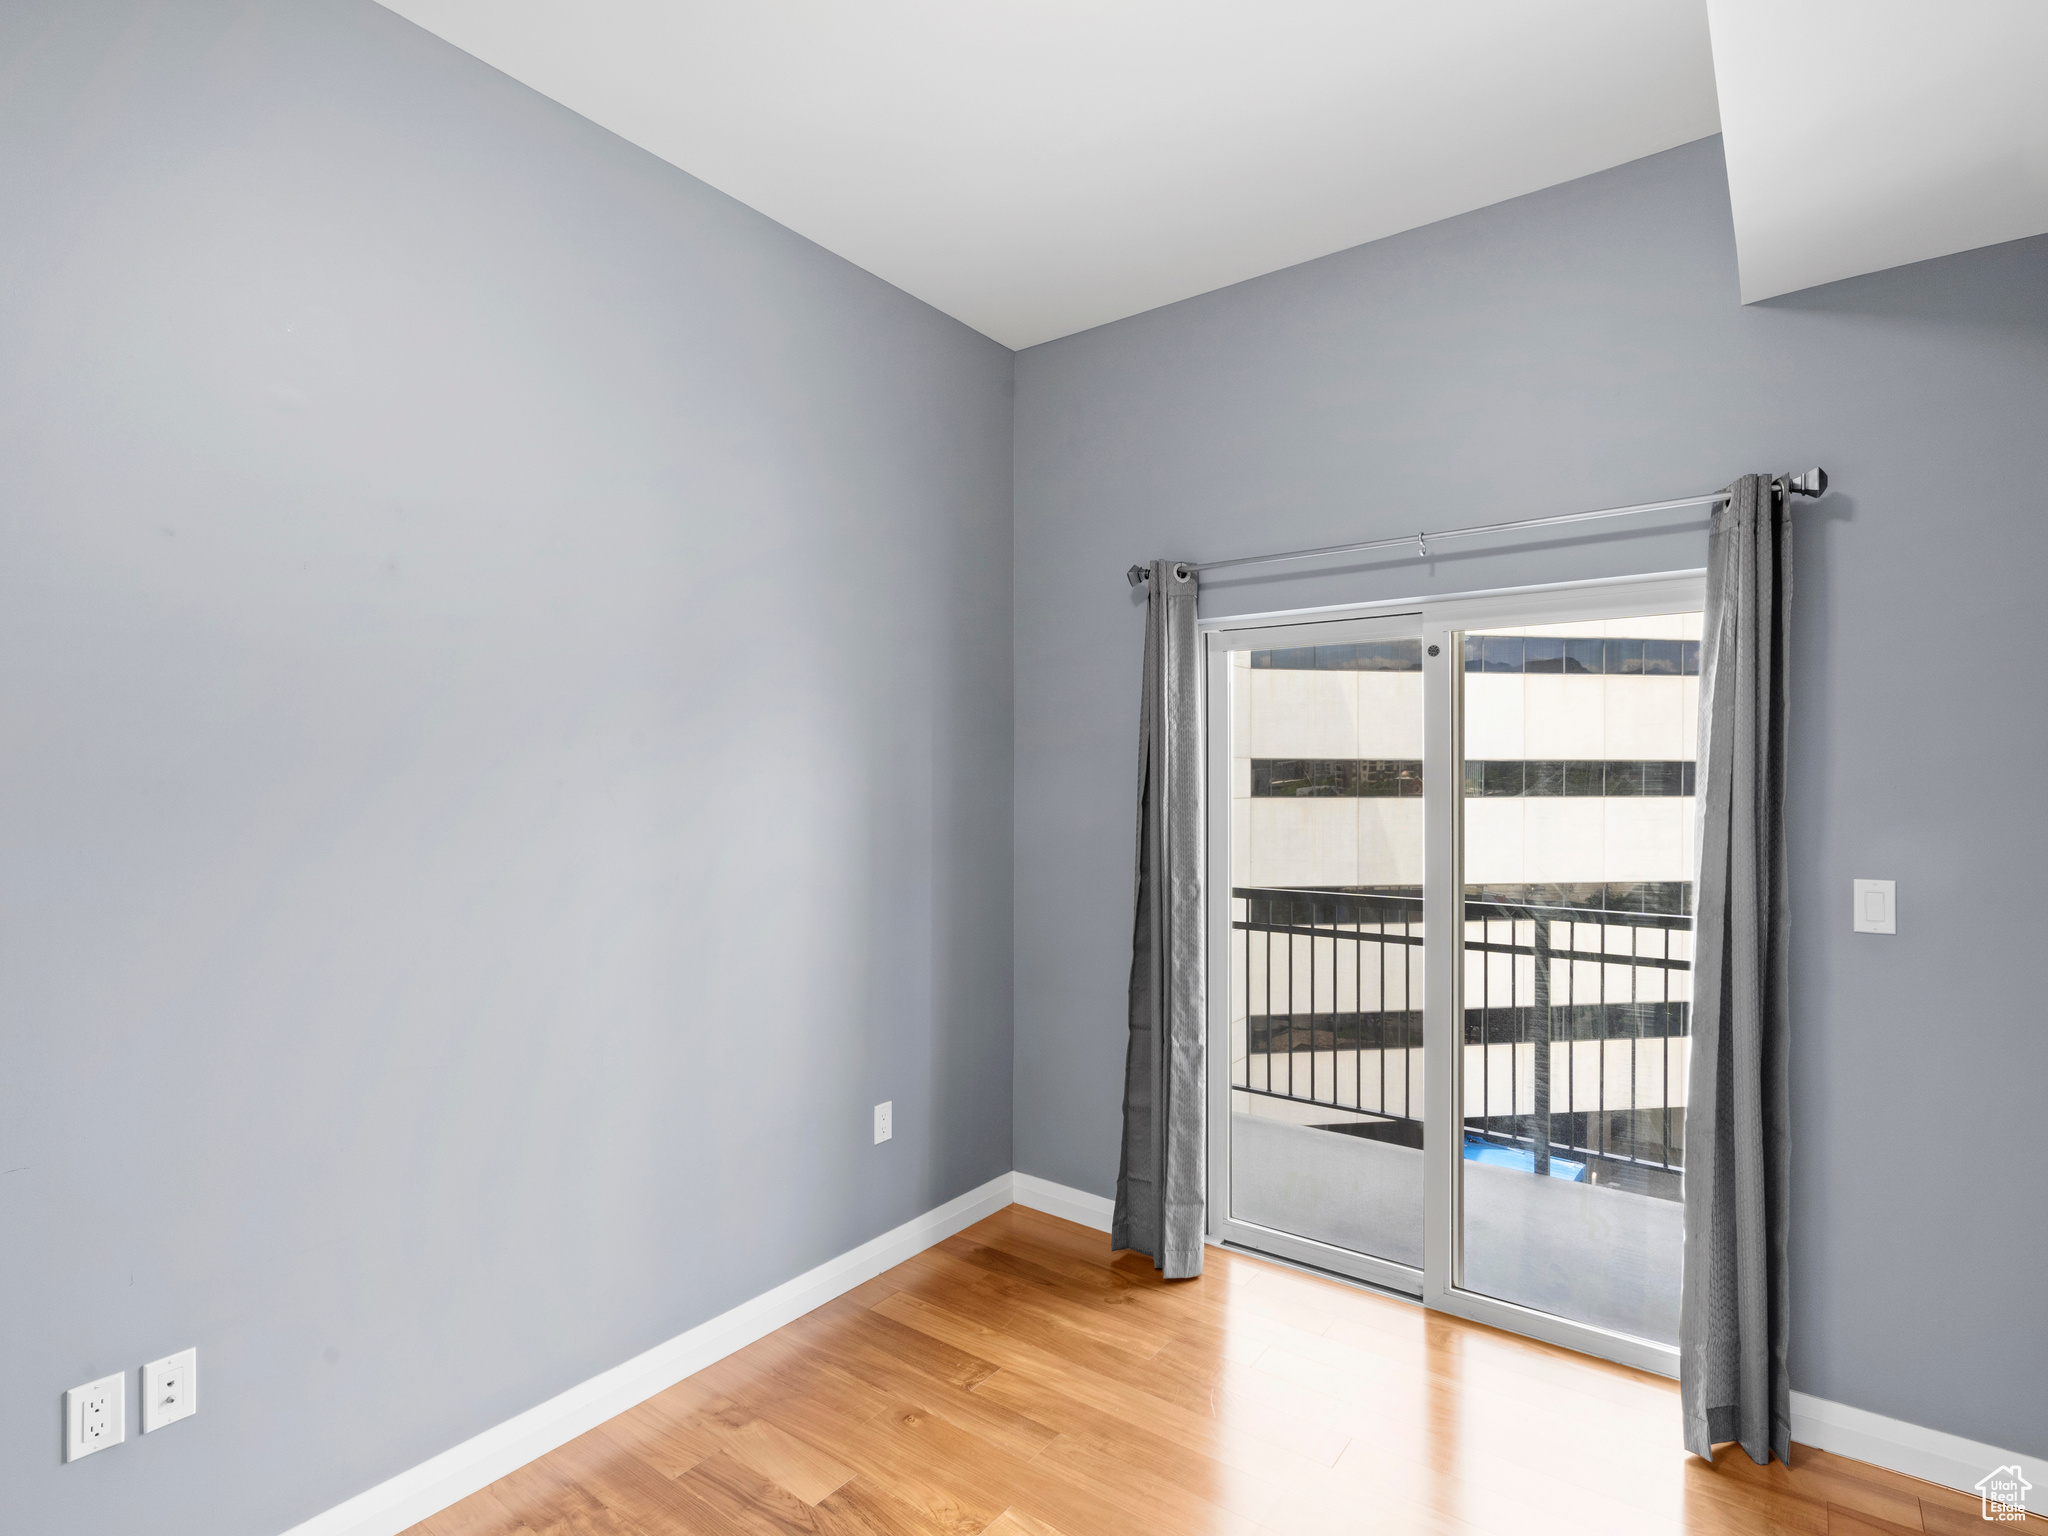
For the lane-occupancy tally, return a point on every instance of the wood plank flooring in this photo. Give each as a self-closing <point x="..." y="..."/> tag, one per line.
<point x="1022" y="1380"/>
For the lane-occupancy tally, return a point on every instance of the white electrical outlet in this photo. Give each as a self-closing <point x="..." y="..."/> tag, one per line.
<point x="95" y="1416"/>
<point x="170" y="1389"/>
<point x="885" y="1121"/>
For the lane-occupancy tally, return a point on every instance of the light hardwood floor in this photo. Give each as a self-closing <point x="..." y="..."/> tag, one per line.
<point x="1021" y="1380"/>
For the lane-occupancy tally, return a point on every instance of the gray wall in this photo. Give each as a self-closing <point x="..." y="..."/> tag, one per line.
<point x="1585" y="347"/>
<point x="505" y="751"/>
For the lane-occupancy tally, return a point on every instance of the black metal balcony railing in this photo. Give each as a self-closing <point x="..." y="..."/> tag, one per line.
<point x="1576" y="1010"/>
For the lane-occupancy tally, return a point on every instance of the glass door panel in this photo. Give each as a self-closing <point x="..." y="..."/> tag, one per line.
<point x="1576" y="867"/>
<point x="1325" y="965"/>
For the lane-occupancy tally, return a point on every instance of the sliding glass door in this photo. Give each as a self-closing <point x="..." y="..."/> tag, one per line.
<point x="1451" y="864"/>
<point x="1577" y="799"/>
<point x="1318" y="1124"/>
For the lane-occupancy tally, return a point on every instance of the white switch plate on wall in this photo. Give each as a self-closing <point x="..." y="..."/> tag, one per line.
<point x="95" y="1416"/>
<point x="170" y="1389"/>
<point x="885" y="1121"/>
<point x="1877" y="906"/>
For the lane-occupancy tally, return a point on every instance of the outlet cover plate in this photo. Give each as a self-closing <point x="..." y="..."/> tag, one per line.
<point x="95" y="1416"/>
<point x="885" y="1121"/>
<point x="1877" y="906"/>
<point x="170" y="1389"/>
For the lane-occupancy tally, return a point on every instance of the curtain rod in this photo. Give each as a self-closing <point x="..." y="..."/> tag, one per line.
<point x="1812" y="483"/>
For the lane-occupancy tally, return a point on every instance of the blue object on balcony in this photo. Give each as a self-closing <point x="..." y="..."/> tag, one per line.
<point x="1477" y="1151"/>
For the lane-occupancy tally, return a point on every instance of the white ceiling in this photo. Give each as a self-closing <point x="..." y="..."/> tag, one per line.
<point x="1036" y="167"/>
<point x="1864" y="134"/>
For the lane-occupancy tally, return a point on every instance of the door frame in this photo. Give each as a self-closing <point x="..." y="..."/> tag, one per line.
<point x="1442" y="621"/>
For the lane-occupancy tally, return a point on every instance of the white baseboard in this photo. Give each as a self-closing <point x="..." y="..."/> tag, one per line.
<point x="1929" y="1454"/>
<point x="433" y="1485"/>
<point x="1058" y="1200"/>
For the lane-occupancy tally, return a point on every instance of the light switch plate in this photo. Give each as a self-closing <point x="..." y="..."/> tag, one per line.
<point x="95" y="1416"/>
<point x="1877" y="906"/>
<point x="170" y="1389"/>
<point x="885" y="1121"/>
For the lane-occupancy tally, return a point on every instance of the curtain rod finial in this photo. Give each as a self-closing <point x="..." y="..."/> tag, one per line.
<point x="1814" y="482"/>
<point x="1137" y="575"/>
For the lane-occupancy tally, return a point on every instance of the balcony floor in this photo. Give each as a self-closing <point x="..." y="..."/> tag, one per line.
<point x="1595" y="1254"/>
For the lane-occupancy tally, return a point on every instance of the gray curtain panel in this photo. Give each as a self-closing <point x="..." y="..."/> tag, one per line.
<point x="1733" y="1318"/>
<point x="1161" y="1191"/>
